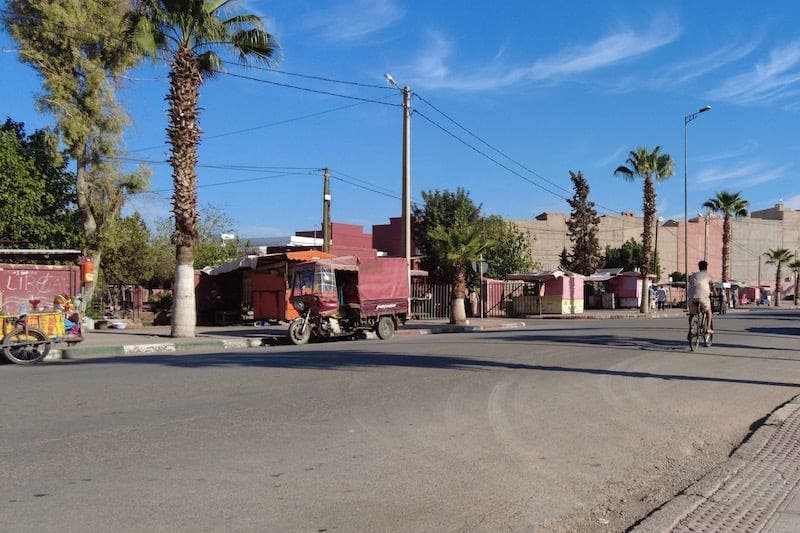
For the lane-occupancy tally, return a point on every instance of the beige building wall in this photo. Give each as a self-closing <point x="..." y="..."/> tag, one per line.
<point x="771" y="228"/>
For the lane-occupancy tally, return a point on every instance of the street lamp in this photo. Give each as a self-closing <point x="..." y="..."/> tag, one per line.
<point x="686" y="120"/>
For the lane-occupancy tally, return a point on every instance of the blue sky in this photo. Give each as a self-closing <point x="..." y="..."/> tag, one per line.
<point x="540" y="87"/>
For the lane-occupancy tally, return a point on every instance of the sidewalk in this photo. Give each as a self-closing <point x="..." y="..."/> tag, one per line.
<point x="756" y="489"/>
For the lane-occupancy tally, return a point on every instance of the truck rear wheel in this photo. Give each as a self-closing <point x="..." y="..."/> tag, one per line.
<point x="385" y="328"/>
<point x="299" y="331"/>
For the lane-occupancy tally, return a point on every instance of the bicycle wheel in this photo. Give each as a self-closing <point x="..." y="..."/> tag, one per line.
<point x="24" y="348"/>
<point x="694" y="332"/>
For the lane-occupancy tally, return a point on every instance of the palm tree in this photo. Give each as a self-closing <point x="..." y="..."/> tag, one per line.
<point x="778" y="258"/>
<point x="795" y="266"/>
<point x="191" y="32"/>
<point x="648" y="166"/>
<point x="731" y="206"/>
<point x="459" y="246"/>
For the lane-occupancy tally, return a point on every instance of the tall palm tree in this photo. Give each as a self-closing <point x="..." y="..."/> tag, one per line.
<point x="191" y="32"/>
<point x="648" y="166"/>
<point x="795" y="266"/>
<point x="459" y="246"/>
<point x="778" y="258"/>
<point x="731" y="206"/>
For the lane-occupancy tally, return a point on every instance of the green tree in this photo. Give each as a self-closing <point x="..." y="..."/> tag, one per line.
<point x="458" y="247"/>
<point x="511" y="250"/>
<point x="778" y="258"/>
<point x="627" y="257"/>
<point x="731" y="206"/>
<point x="210" y="250"/>
<point x="648" y="166"/>
<point x="76" y="49"/>
<point x="795" y="266"/>
<point x="37" y="193"/>
<point x="191" y="32"/>
<point x="582" y="229"/>
<point x="446" y="209"/>
<point x="128" y="257"/>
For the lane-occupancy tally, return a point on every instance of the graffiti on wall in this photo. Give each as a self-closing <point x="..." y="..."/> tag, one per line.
<point x="19" y="286"/>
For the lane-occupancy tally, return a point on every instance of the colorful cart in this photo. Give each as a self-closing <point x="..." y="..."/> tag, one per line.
<point x="28" y="338"/>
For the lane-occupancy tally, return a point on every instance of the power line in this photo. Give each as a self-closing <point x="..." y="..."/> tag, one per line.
<point x="487" y="156"/>
<point x="263" y="126"/>
<point x="312" y="77"/>
<point x="307" y="89"/>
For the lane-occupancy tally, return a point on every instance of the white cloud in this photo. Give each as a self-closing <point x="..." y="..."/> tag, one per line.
<point x="749" y="147"/>
<point x="775" y="79"/>
<point x="613" y="159"/>
<point x="431" y="69"/>
<point x="793" y="202"/>
<point x="684" y="72"/>
<point x="351" y="22"/>
<point x="741" y="176"/>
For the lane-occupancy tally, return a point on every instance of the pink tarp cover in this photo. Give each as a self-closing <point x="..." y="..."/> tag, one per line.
<point x="382" y="278"/>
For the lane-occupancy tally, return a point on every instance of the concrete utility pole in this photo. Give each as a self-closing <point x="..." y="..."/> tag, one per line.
<point x="326" y="211"/>
<point x="407" y="174"/>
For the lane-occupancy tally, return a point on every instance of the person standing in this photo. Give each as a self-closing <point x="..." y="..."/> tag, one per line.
<point x="661" y="297"/>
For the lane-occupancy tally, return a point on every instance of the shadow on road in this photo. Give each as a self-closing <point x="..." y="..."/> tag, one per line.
<point x="352" y="359"/>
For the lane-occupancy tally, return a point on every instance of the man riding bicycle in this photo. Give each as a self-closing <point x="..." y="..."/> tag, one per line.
<point x="699" y="288"/>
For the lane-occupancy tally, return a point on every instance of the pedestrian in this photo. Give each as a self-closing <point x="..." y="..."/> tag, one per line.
<point x="661" y="297"/>
<point x="473" y="302"/>
<point x="651" y="291"/>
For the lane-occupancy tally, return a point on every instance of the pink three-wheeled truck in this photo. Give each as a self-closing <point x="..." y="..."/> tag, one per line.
<point x="347" y="296"/>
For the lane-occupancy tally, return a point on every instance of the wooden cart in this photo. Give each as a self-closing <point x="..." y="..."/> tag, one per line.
<point x="28" y="338"/>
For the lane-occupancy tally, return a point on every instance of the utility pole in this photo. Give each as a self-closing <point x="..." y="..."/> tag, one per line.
<point x="406" y="214"/>
<point x="326" y="211"/>
<point x="405" y="241"/>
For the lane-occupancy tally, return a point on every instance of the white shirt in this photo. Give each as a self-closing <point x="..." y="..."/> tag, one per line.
<point x="700" y="285"/>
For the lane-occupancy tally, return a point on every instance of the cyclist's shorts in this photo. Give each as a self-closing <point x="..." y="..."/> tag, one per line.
<point x="703" y="303"/>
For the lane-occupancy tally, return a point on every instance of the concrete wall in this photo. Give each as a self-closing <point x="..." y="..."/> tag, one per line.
<point x="772" y="228"/>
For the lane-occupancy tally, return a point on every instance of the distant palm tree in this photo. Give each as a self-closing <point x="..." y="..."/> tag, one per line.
<point x="795" y="266"/>
<point x="731" y="206"/>
<point x="191" y="31"/>
<point x="778" y="258"/>
<point x="648" y="166"/>
<point x="459" y="246"/>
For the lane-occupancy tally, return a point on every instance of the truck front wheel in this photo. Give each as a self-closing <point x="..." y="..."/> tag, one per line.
<point x="385" y="328"/>
<point x="299" y="331"/>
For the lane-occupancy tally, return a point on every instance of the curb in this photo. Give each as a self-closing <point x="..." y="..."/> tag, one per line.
<point x="667" y="517"/>
<point x="457" y="328"/>
<point x="160" y="347"/>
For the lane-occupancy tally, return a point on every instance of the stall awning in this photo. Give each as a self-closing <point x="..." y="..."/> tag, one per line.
<point x="542" y="276"/>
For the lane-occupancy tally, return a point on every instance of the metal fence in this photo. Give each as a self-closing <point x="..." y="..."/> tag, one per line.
<point x="497" y="299"/>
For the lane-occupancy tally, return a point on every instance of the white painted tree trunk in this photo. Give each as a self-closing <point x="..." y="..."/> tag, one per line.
<point x="184" y="317"/>
<point x="459" y="313"/>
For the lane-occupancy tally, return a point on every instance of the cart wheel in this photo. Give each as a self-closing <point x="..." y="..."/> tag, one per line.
<point x="26" y="348"/>
<point x="299" y="334"/>
<point x="385" y="328"/>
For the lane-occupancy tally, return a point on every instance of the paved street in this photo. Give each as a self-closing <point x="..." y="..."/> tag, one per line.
<point x="565" y="425"/>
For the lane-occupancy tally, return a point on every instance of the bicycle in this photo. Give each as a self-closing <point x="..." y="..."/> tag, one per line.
<point x="698" y="328"/>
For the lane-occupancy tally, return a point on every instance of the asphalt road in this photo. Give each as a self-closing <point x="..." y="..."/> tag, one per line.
<point x="566" y="425"/>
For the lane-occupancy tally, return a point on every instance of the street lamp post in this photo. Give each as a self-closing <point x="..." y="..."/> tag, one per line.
<point x="686" y="120"/>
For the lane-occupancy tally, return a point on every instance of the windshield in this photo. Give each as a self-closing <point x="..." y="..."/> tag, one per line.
<point x="317" y="279"/>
